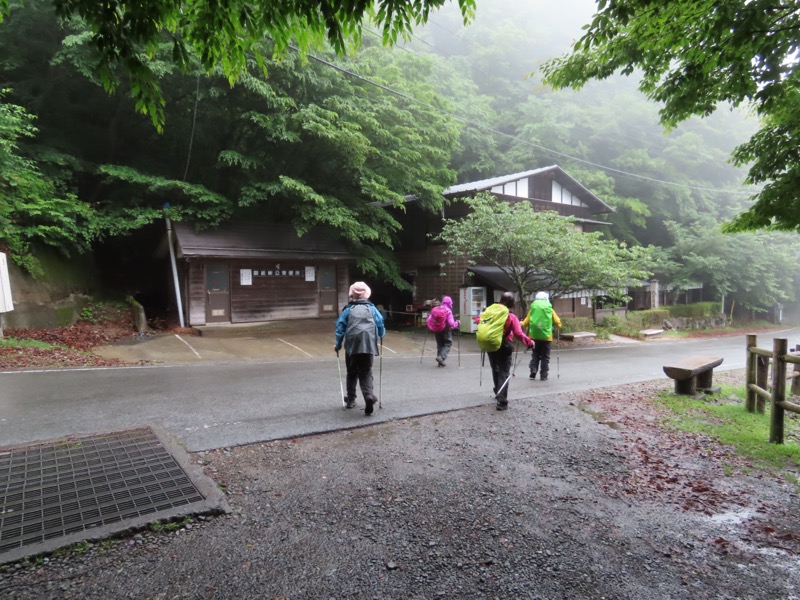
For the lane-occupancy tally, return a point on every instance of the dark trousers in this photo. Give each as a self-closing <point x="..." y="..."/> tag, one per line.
<point x="359" y="370"/>
<point x="540" y="357"/>
<point x="444" y="341"/>
<point x="500" y="361"/>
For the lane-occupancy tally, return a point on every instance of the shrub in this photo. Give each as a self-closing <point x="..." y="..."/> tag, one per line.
<point x="574" y="324"/>
<point x="616" y="324"/>
<point x="652" y="317"/>
<point x="612" y="322"/>
<point x="698" y="310"/>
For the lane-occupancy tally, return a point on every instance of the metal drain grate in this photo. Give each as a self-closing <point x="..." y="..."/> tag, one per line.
<point x="70" y="488"/>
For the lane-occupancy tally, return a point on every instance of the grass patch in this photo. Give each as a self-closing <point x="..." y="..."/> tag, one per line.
<point x="723" y="417"/>
<point x="10" y="342"/>
<point x="731" y="328"/>
<point x="169" y="526"/>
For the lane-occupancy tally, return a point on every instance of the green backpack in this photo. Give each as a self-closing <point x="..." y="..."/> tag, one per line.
<point x="541" y="320"/>
<point x="491" y="327"/>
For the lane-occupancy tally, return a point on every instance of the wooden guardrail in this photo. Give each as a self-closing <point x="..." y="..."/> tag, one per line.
<point x="758" y="362"/>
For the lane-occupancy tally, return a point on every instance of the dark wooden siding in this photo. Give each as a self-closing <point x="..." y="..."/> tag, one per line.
<point x="541" y="187"/>
<point x="434" y="276"/>
<point x="567" y="308"/>
<point x="343" y="283"/>
<point x="273" y="296"/>
<point x="196" y="294"/>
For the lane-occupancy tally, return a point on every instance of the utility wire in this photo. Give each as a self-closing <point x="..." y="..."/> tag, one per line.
<point x="194" y="124"/>
<point x="514" y="138"/>
<point x="649" y="145"/>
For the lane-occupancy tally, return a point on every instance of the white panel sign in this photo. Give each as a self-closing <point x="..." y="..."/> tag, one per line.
<point x="6" y="304"/>
<point x="246" y="276"/>
<point x="310" y="273"/>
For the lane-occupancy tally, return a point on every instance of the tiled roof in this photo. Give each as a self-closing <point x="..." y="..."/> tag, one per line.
<point x="560" y="175"/>
<point x="487" y="184"/>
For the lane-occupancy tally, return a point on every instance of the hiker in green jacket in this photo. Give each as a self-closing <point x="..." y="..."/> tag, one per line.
<point x="539" y="323"/>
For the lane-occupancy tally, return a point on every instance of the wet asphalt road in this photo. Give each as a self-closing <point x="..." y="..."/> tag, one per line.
<point x="213" y="405"/>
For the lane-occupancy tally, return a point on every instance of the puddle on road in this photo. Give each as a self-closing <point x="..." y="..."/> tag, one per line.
<point x="733" y="517"/>
<point x="600" y="418"/>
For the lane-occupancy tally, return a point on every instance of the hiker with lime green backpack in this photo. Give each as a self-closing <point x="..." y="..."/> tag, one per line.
<point x="539" y="324"/>
<point x="497" y="328"/>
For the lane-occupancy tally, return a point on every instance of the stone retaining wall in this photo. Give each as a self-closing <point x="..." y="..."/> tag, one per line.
<point x="57" y="299"/>
<point x="714" y="322"/>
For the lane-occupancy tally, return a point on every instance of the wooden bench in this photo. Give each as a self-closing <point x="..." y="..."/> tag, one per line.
<point x="693" y="373"/>
<point x="648" y="333"/>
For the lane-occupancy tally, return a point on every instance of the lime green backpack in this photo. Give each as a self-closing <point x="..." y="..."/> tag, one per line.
<point x="540" y="323"/>
<point x="491" y="327"/>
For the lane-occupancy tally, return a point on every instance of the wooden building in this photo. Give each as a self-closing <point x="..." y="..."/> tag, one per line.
<point x="252" y="272"/>
<point x="425" y="265"/>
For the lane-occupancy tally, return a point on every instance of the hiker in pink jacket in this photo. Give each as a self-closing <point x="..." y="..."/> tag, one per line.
<point x="442" y="322"/>
<point x="501" y="360"/>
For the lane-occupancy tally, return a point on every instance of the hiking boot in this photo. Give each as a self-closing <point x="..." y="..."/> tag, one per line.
<point x="440" y="360"/>
<point x="544" y="377"/>
<point x="370" y="402"/>
<point x="349" y="403"/>
<point x="532" y="375"/>
<point x="502" y="406"/>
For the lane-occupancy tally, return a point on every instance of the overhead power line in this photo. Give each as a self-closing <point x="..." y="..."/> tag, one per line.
<point x="516" y="139"/>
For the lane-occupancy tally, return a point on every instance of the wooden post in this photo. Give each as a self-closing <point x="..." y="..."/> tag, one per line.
<point x="796" y="378"/>
<point x="780" y="347"/>
<point x="750" y="361"/>
<point x="762" y="379"/>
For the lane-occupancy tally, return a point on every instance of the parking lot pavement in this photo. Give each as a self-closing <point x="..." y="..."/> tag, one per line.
<point x="279" y="345"/>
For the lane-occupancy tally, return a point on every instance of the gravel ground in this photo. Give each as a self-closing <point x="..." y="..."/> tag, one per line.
<point x="567" y="496"/>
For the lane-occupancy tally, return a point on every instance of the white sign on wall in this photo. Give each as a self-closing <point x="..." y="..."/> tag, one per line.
<point x="245" y="276"/>
<point x="310" y="273"/>
<point x="6" y="304"/>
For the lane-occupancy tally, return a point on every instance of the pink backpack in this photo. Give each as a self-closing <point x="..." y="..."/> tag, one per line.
<point x="438" y="319"/>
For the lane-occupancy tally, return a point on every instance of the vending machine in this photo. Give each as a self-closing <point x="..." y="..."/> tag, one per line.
<point x="472" y="302"/>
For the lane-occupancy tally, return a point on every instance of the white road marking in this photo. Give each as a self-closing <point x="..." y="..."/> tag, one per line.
<point x="199" y="427"/>
<point x="389" y="349"/>
<point x="295" y="347"/>
<point x="188" y="344"/>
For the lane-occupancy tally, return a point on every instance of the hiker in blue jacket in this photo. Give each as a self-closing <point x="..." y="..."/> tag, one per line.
<point x="358" y="328"/>
<point x="442" y="322"/>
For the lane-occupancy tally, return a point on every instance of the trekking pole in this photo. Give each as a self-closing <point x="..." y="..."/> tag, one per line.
<point x="341" y="385"/>
<point x="513" y="369"/>
<point x="425" y="339"/>
<point x="380" y="377"/>
<point x="558" y="353"/>
<point x="505" y="383"/>
<point x="483" y="355"/>
<point x="458" y="337"/>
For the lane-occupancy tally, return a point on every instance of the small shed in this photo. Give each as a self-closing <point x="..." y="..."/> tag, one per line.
<point x="254" y="272"/>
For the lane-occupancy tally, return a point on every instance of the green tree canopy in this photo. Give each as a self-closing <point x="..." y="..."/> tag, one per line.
<point x="34" y="207"/>
<point x="693" y="55"/>
<point x="127" y="35"/>
<point x="541" y="250"/>
<point x="756" y="269"/>
<point x="315" y="142"/>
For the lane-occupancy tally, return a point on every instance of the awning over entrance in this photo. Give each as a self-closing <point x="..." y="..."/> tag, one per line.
<point x="493" y="277"/>
<point x="496" y="278"/>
